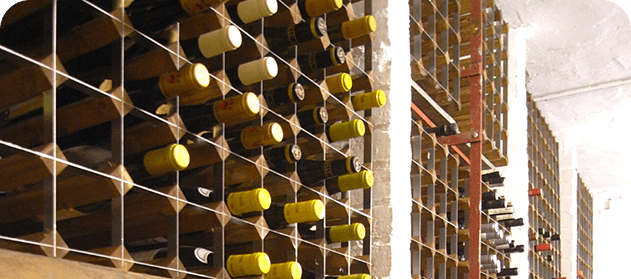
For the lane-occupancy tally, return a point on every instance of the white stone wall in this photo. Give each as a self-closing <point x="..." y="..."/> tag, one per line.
<point x="516" y="173"/>
<point x="392" y="199"/>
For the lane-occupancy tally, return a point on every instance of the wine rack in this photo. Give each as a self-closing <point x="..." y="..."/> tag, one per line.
<point x="459" y="76"/>
<point x="543" y="212"/>
<point x="585" y="256"/>
<point x="70" y="88"/>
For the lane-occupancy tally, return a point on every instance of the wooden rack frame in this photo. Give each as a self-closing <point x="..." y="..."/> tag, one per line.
<point x="170" y="214"/>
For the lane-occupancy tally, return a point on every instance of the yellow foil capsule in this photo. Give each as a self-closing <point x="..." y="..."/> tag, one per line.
<point x="302" y="212"/>
<point x="339" y="83"/>
<point x="248" y="264"/>
<point x="361" y="180"/>
<point x="242" y="107"/>
<point x="369" y="100"/>
<point x="288" y="270"/>
<point x="174" y="157"/>
<point x="187" y="80"/>
<point x="359" y="27"/>
<point x="346" y="130"/>
<point x="249" y="201"/>
<point x="319" y="7"/>
<point x="345" y="233"/>
<point x="268" y="134"/>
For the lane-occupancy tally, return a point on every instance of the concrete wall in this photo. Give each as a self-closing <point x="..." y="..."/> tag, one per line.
<point x="392" y="200"/>
<point x="516" y="173"/>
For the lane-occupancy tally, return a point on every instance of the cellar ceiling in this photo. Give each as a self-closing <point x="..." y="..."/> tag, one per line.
<point x="579" y="72"/>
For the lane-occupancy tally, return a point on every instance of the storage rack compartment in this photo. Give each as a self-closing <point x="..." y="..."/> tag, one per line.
<point x="543" y="212"/>
<point x="75" y="89"/>
<point x="452" y="83"/>
<point x="585" y="256"/>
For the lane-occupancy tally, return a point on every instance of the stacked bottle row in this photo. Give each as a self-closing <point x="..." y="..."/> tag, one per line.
<point x="440" y="214"/>
<point x="585" y="256"/>
<point x="210" y="138"/>
<point x="437" y="241"/>
<point x="544" y="219"/>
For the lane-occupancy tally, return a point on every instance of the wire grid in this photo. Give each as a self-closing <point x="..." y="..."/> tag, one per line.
<point x="361" y="213"/>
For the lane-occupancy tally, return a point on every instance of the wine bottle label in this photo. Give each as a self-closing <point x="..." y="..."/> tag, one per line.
<point x="361" y="180"/>
<point x="359" y="27"/>
<point x="369" y="100"/>
<point x="219" y="41"/>
<point x="249" y="201"/>
<point x="192" y="7"/>
<point x="268" y="134"/>
<point x="190" y="78"/>
<point x="319" y="7"/>
<point x="237" y="109"/>
<point x="339" y="83"/>
<point x="174" y="157"/>
<point x="356" y="276"/>
<point x="303" y="212"/>
<point x="288" y="270"/>
<point x="252" y="10"/>
<point x="258" y="70"/>
<point x="345" y="233"/>
<point x="248" y="264"/>
<point x="204" y="192"/>
<point x="202" y="254"/>
<point x="346" y="130"/>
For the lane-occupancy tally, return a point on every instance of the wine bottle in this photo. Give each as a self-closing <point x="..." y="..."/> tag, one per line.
<point x="335" y="234"/>
<point x="443" y="130"/>
<point x="156" y="162"/>
<point x="490" y="196"/>
<point x="212" y="43"/>
<point x="552" y="237"/>
<point x="248" y="264"/>
<point x="284" y="95"/>
<point x="489" y="227"/>
<point x="543" y="247"/>
<point x="238" y="202"/>
<point x="252" y="137"/>
<point x="252" y="72"/>
<point x="501" y="203"/>
<point x="361" y="180"/>
<point x="341" y="130"/>
<point x="340" y="83"/>
<point x="313" y="172"/>
<point x="311" y="119"/>
<point x="231" y="111"/>
<point x="507" y="271"/>
<point x="280" y="38"/>
<point x="154" y="16"/>
<point x="352" y="29"/>
<point x="313" y="62"/>
<point x="191" y="257"/>
<point x="251" y="10"/>
<point x="313" y="8"/>
<point x="549" y="258"/>
<point x="278" y="158"/>
<point x="281" y="215"/>
<point x="187" y="81"/>
<point x="536" y="192"/>
<point x="286" y="270"/>
<point x="369" y="100"/>
<point x="514" y="223"/>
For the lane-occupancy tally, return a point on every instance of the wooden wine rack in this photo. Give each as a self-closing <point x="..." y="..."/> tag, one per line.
<point x="544" y="211"/>
<point x="458" y="76"/>
<point x="32" y="156"/>
<point x="585" y="256"/>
